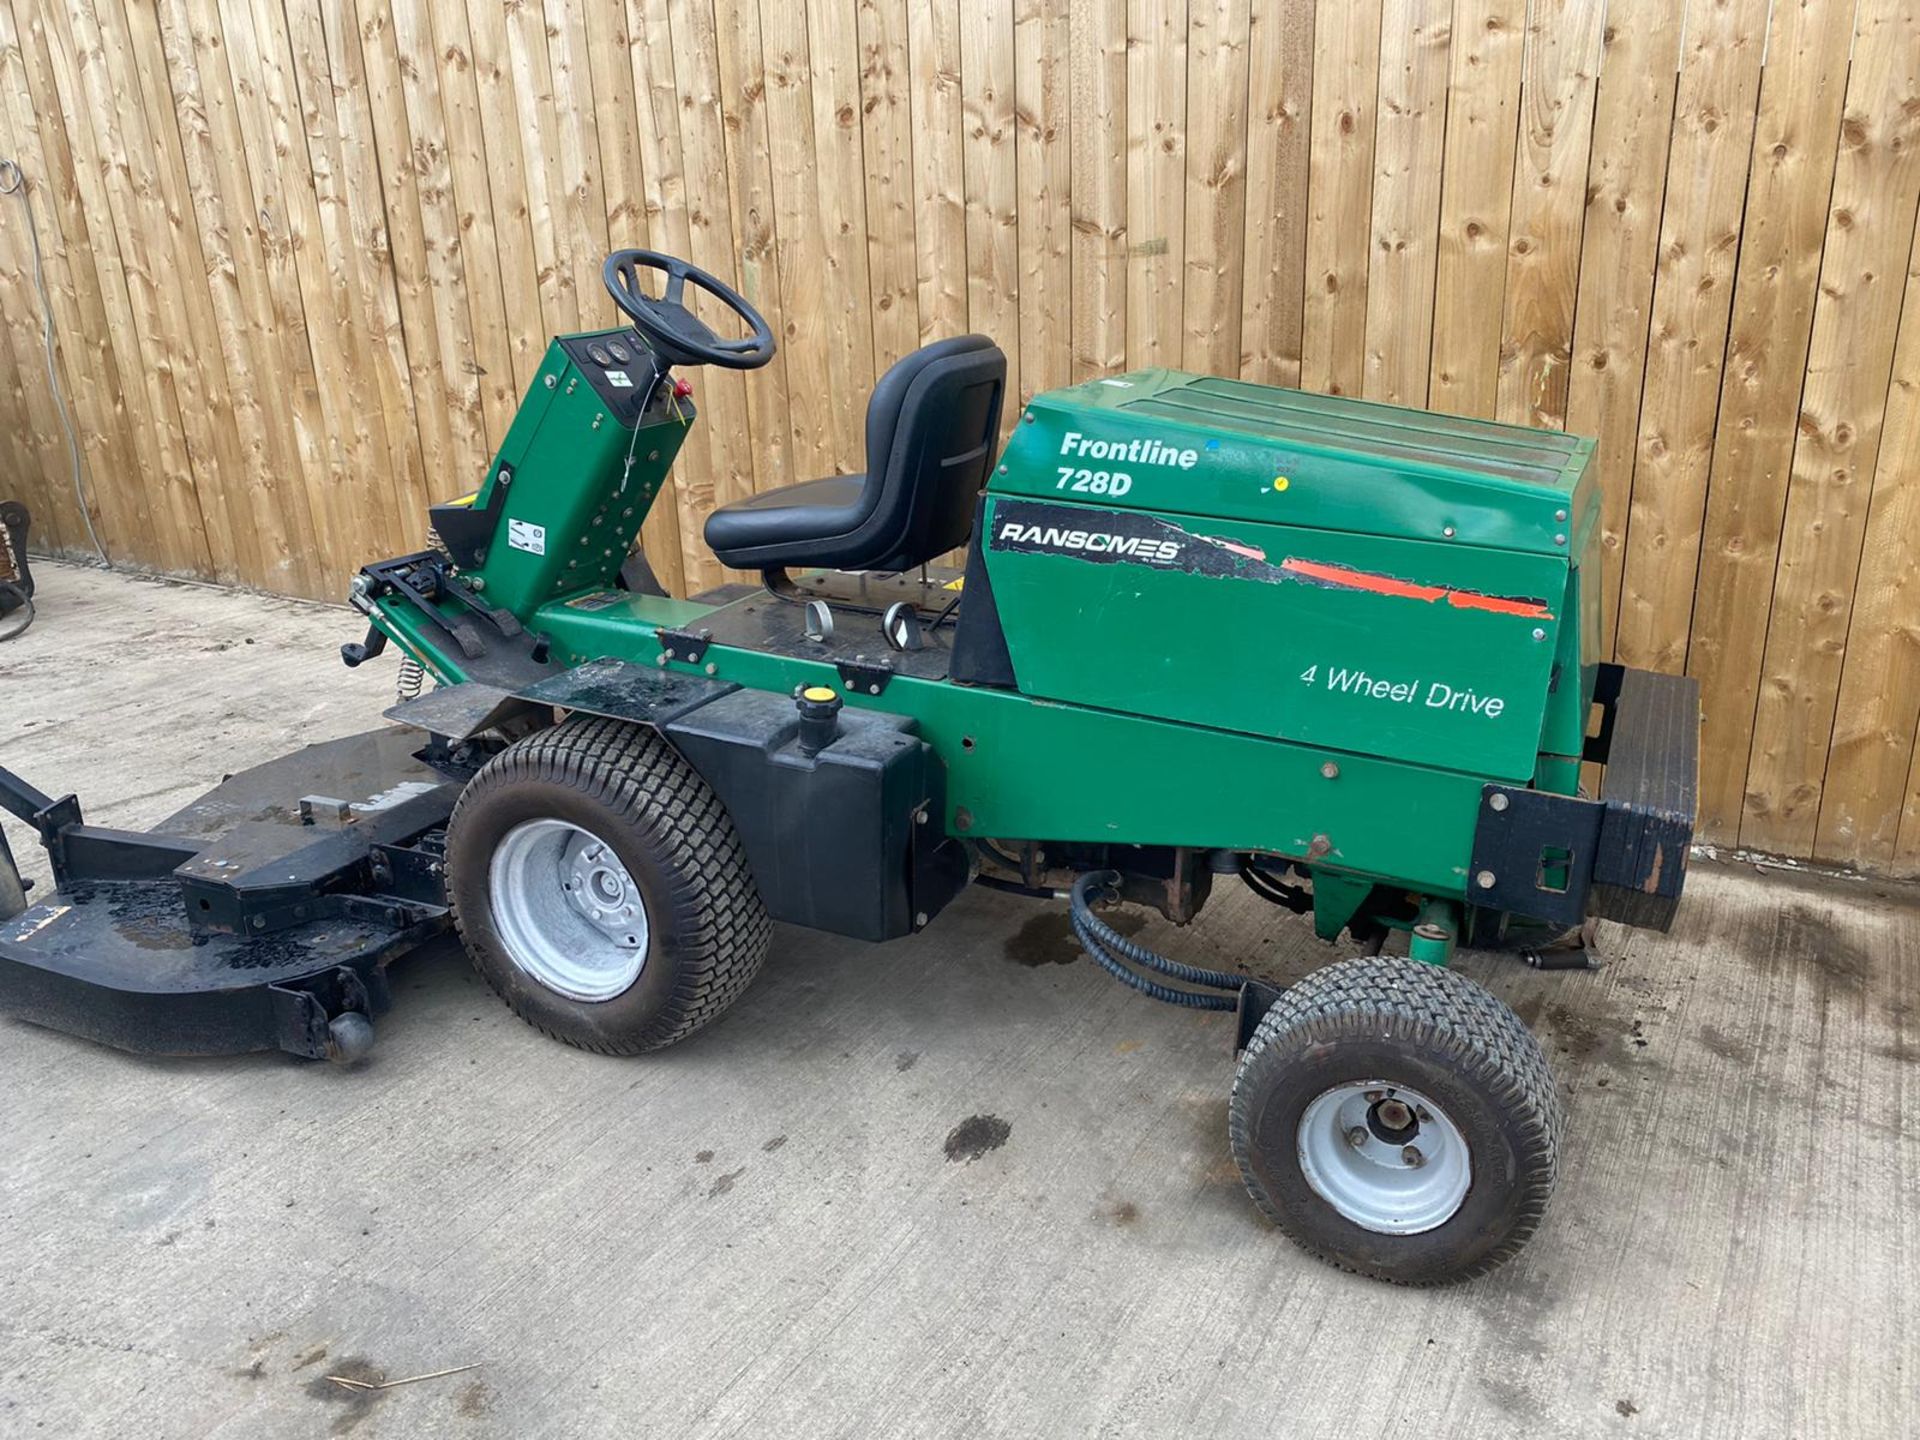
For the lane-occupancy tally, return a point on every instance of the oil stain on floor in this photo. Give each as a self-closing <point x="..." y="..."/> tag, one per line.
<point x="975" y="1136"/>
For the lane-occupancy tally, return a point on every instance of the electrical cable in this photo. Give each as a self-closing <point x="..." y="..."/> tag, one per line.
<point x="13" y="181"/>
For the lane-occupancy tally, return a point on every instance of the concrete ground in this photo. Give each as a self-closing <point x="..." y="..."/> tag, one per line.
<point x="776" y="1230"/>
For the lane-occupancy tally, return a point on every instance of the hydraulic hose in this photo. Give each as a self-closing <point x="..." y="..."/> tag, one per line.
<point x="1110" y="949"/>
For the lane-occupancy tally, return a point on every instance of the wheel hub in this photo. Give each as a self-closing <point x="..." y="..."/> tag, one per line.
<point x="567" y="910"/>
<point x="1384" y="1156"/>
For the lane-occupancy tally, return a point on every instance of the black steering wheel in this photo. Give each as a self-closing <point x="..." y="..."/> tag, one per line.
<point x="679" y="336"/>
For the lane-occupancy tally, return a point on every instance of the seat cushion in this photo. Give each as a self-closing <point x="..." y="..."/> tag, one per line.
<point x="804" y="517"/>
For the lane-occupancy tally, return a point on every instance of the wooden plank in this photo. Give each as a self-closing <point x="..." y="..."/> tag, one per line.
<point x="575" y="161"/>
<point x="494" y="92"/>
<point x="993" y="253"/>
<point x="1097" y="138"/>
<point x="703" y="147"/>
<point x="275" y="505"/>
<point x="1686" y="343"/>
<point x="1280" y="102"/>
<point x="1476" y="204"/>
<point x="1218" y="32"/>
<point x="1156" y="180"/>
<point x="616" y="117"/>
<point x="171" y="506"/>
<point x="1346" y="82"/>
<point x="444" y="254"/>
<point x="476" y="244"/>
<point x="1626" y="189"/>
<point x="115" y="457"/>
<point x="529" y="66"/>
<point x="834" y="60"/>
<point x="886" y="137"/>
<point x="743" y="95"/>
<point x="1043" y="158"/>
<point x="1408" y="147"/>
<point x="346" y="270"/>
<point x="1549" y="206"/>
<point x="1876" y="190"/>
<point x="939" y="164"/>
<point x="1796" y="135"/>
<point x="1870" y="761"/>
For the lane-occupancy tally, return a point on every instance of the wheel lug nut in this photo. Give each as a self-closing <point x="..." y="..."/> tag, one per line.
<point x="1376" y="1096"/>
<point x="1421" y="1112"/>
<point x="1412" y="1157"/>
<point x="1357" y="1136"/>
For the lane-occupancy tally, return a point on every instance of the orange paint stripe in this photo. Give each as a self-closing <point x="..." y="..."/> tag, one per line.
<point x="1350" y="579"/>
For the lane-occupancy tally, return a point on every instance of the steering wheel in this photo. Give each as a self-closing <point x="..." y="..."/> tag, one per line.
<point x="677" y="335"/>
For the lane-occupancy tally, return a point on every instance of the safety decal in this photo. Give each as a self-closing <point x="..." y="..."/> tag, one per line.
<point x="1114" y="537"/>
<point x="524" y="535"/>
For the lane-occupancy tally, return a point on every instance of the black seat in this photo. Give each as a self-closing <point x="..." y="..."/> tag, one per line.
<point x="932" y="424"/>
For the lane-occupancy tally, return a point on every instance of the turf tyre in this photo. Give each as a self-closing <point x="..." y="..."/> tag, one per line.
<point x="708" y="930"/>
<point x="1429" y="1029"/>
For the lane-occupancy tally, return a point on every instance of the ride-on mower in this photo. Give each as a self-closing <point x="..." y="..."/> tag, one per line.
<point x="1344" y="652"/>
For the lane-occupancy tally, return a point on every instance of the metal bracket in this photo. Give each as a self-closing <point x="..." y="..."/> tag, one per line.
<point x="689" y="647"/>
<point x="1533" y="853"/>
<point x="863" y="676"/>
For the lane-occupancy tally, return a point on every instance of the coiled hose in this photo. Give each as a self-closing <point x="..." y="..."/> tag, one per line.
<point x="1112" y="950"/>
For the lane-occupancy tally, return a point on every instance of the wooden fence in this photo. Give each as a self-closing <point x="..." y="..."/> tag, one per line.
<point x="303" y="254"/>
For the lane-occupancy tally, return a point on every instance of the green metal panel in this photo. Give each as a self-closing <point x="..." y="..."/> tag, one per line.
<point x="582" y="483"/>
<point x="1406" y="649"/>
<point x="1024" y="768"/>
<point x="1198" y="445"/>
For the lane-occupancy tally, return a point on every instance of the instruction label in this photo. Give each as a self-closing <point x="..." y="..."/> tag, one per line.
<point x="1426" y="694"/>
<point x="524" y="535"/>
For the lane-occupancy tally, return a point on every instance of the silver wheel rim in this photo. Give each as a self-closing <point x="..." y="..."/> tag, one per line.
<point x="1384" y="1156"/>
<point x="567" y="911"/>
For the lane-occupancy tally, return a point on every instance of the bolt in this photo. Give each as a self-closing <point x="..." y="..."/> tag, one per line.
<point x="1320" y="846"/>
<point x="1375" y="1096"/>
<point x="1412" y="1157"/>
<point x="1330" y="770"/>
<point x="1498" y="801"/>
<point x="963" y="819"/>
<point x="1003" y="469"/>
<point x="552" y="382"/>
<point x="920" y="919"/>
<point x="1357" y="1136"/>
<point x="1484" y="879"/>
<point x="1560" y="515"/>
<point x="919" y="817"/>
<point x="1028" y="417"/>
<point x="1538" y="633"/>
<point x="712" y="669"/>
<point x="1560" y="539"/>
<point x="1420" y="1111"/>
<point x="1447" y="530"/>
<point x="873" y="689"/>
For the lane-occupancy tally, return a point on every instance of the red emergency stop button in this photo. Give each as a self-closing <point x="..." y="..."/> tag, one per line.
<point x="682" y="389"/>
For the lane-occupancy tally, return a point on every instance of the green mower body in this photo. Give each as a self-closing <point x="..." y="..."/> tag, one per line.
<point x="1199" y="617"/>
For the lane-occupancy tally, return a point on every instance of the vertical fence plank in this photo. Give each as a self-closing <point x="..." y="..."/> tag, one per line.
<point x="1865" y="784"/>
<point x="1280" y="102"/>
<point x="939" y="165"/>
<point x="1796" y="135"/>
<point x="1870" y="231"/>
<point x="1407" y="154"/>
<point x="1692" y="298"/>
<point x="1549" y="206"/>
<point x="1043" y="163"/>
<point x="1346" y="80"/>
<point x="993" y="247"/>
<point x="886" y="137"/>
<point x="1476" y="204"/>
<point x="507" y="166"/>
<point x="1156" y="179"/>
<point x="1216" y="190"/>
<point x="1098" y="125"/>
<point x="743" y="91"/>
<point x="834" y="51"/>
<point x="1626" y="190"/>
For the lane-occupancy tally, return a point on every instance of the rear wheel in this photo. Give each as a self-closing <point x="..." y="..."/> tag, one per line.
<point x="1398" y="1121"/>
<point x="601" y="889"/>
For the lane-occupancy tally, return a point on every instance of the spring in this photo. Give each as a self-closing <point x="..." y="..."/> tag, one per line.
<point x="411" y="681"/>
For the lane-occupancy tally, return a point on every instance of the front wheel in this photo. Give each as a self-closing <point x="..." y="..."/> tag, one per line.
<point x="601" y="888"/>
<point x="1398" y="1121"/>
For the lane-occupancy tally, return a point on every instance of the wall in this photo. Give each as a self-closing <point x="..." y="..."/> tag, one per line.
<point x="304" y="253"/>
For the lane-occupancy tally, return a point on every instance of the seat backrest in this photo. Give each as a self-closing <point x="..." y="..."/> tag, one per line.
<point x="932" y="426"/>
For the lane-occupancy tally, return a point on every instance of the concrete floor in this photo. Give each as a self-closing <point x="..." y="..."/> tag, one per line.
<point x="763" y="1232"/>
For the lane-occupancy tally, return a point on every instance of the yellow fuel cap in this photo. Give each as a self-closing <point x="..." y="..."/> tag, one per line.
<point x="818" y="693"/>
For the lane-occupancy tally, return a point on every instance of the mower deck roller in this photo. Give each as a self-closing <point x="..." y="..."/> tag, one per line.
<point x="1345" y="652"/>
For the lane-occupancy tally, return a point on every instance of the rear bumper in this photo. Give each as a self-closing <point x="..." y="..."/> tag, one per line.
<point x="1560" y="858"/>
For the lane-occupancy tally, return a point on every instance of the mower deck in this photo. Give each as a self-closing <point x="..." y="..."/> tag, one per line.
<point x="133" y="962"/>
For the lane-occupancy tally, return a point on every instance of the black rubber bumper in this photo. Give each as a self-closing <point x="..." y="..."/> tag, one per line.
<point x="1561" y="858"/>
